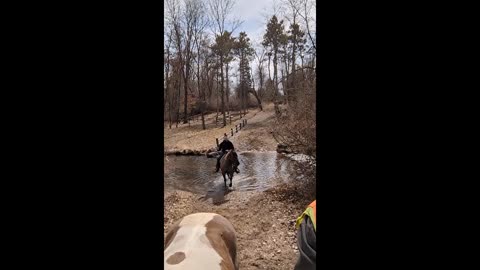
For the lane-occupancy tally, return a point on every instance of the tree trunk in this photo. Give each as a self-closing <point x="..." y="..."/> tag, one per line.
<point x="170" y="109"/>
<point x="283" y="83"/>
<point x="252" y="91"/>
<point x="292" y="82"/>
<point x="185" y="87"/>
<point x="228" y="94"/>
<point x="179" y="101"/>
<point x="228" y="90"/>
<point x="245" y="100"/>
<point x="222" y="92"/>
<point x="166" y="98"/>
<point x="203" y="117"/>
<point x="218" y="92"/>
<point x="177" y="118"/>
<point x="275" y="74"/>
<point x="170" y="114"/>
<point x="260" y="74"/>
<point x="285" y="78"/>
<point x="269" y="72"/>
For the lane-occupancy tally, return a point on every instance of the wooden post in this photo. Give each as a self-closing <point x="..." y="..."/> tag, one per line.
<point x="216" y="139"/>
<point x="232" y="131"/>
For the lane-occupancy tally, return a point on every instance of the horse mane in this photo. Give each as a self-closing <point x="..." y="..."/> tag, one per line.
<point x="229" y="151"/>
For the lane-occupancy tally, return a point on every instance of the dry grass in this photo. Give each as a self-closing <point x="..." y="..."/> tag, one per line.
<point x="255" y="136"/>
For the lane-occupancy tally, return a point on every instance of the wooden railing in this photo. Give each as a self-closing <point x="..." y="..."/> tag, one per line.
<point x="238" y="127"/>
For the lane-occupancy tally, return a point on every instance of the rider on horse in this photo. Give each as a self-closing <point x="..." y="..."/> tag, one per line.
<point x="224" y="147"/>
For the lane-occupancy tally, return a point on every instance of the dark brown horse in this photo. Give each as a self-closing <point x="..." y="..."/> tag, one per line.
<point x="229" y="165"/>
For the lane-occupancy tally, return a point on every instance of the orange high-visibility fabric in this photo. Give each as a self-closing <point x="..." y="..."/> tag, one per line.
<point x="311" y="212"/>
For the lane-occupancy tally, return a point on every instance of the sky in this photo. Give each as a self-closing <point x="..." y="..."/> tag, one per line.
<point x="254" y="15"/>
<point x="252" y="12"/>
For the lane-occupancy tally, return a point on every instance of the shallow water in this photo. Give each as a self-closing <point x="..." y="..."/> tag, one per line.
<point x="258" y="171"/>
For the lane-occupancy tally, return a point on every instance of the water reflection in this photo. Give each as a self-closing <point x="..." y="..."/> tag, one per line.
<point x="258" y="171"/>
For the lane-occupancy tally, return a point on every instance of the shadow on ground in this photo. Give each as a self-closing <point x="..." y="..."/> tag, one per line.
<point x="217" y="194"/>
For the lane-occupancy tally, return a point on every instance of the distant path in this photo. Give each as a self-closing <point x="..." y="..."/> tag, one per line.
<point x="255" y="136"/>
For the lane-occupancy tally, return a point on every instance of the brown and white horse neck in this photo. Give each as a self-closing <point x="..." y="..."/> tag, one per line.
<point x="201" y="241"/>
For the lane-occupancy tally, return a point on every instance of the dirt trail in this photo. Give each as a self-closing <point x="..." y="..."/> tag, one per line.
<point x="254" y="136"/>
<point x="264" y="221"/>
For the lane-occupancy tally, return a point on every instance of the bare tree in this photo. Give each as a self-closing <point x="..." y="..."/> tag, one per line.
<point x="172" y="20"/>
<point x="185" y="19"/>
<point x="200" y="23"/>
<point x="201" y="90"/>
<point x="304" y="8"/>
<point x="168" y="98"/>
<point x="260" y="57"/>
<point x="253" y="92"/>
<point x="296" y="127"/>
<point x="219" y="11"/>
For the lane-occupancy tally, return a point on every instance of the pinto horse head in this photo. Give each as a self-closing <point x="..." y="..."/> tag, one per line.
<point x="201" y="241"/>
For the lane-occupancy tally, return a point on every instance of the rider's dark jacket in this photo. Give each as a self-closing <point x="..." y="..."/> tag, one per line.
<point x="225" y="145"/>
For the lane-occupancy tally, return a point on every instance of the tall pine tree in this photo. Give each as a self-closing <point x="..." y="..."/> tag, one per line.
<point x="275" y="38"/>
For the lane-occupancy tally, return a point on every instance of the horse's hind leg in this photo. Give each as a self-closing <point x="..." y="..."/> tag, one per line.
<point x="231" y="177"/>
<point x="224" y="180"/>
